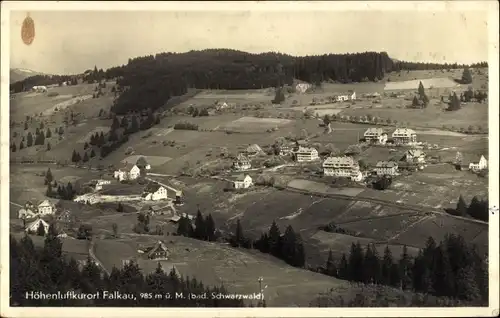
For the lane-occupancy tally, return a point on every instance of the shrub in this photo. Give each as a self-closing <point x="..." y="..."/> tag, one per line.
<point x="184" y="125"/>
<point x="52" y="94"/>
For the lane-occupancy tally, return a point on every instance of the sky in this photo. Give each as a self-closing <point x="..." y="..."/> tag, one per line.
<point x="69" y="42"/>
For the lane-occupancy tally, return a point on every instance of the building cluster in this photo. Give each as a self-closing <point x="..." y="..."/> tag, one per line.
<point x="31" y="210"/>
<point x="132" y="171"/>
<point x="400" y="136"/>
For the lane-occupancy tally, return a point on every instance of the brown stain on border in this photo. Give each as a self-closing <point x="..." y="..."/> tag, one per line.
<point x="28" y="30"/>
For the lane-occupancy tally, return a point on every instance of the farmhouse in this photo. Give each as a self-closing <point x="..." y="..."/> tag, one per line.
<point x="39" y="89"/>
<point x="302" y="87"/>
<point x="143" y="164"/>
<point x="221" y="105"/>
<point x="26" y="214"/>
<point x="154" y="191"/>
<point x="481" y="165"/>
<point x="402" y="136"/>
<point x="304" y="154"/>
<point x="242" y="163"/>
<point x="254" y="150"/>
<point x="242" y="182"/>
<point x="386" y="168"/>
<point x="158" y="251"/>
<point x="128" y="172"/>
<point x="32" y="228"/>
<point x="342" y="167"/>
<point x="375" y="135"/>
<point x="45" y="208"/>
<point x="415" y="156"/>
<point x="350" y="95"/>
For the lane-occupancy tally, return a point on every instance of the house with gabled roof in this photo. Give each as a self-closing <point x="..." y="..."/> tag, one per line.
<point x="481" y="165"/>
<point x="375" y="135"/>
<point x="402" y="136"/>
<point x="242" y="163"/>
<point x="158" y="251"/>
<point x="46" y="207"/>
<point x="415" y="156"/>
<point x="343" y="97"/>
<point x="154" y="191"/>
<point x="127" y="172"/>
<point x="342" y="166"/>
<point x="386" y="168"/>
<point x="32" y="228"/>
<point x="306" y="154"/>
<point x="241" y="181"/>
<point x="254" y="150"/>
<point x="26" y="214"/>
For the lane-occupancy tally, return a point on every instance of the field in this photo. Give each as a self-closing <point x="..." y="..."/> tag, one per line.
<point x="430" y="83"/>
<point x="237" y="269"/>
<point x="252" y="124"/>
<point x="251" y="119"/>
<point x="152" y="160"/>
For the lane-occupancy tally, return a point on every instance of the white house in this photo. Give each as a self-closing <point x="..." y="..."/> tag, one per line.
<point x="404" y="136"/>
<point x="242" y="182"/>
<point x="242" y="163"/>
<point x="26" y="214"/>
<point x="415" y="156"/>
<point x="305" y="154"/>
<point x="481" y="165"/>
<point x="39" y="89"/>
<point x="154" y="191"/>
<point x="351" y="95"/>
<point x="127" y="173"/>
<point x="46" y="208"/>
<point x="375" y="135"/>
<point x="342" y="167"/>
<point x="32" y="228"/>
<point x="386" y="168"/>
<point x="302" y="87"/>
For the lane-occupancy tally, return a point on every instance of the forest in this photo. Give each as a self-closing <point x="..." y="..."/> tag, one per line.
<point x="148" y="82"/>
<point x="48" y="271"/>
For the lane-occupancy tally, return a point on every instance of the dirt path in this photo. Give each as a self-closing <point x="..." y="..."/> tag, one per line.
<point x="94" y="258"/>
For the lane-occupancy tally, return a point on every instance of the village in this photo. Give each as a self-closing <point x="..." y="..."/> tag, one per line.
<point x="130" y="206"/>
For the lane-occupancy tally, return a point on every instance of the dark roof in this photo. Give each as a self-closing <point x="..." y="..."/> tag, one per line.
<point x="152" y="187"/>
<point x="240" y="177"/>
<point x="157" y="246"/>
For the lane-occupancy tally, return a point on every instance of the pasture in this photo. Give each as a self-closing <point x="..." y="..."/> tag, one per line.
<point x="152" y="160"/>
<point x="442" y="82"/>
<point x="217" y="264"/>
<point x="253" y="124"/>
<point x="433" y="116"/>
<point x="97" y="129"/>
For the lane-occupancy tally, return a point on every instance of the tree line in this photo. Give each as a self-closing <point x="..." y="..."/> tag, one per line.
<point x="287" y="246"/>
<point x="451" y="269"/>
<point x="48" y="271"/>
<point x="477" y="209"/>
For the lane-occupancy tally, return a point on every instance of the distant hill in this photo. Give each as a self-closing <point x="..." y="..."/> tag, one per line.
<point x="19" y="74"/>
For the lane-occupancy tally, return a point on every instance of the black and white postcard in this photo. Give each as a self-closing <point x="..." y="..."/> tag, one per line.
<point x="249" y="159"/>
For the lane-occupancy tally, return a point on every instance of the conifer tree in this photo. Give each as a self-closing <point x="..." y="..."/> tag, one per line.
<point x="200" y="228"/>
<point x="344" y="267"/>
<point x="466" y="76"/>
<point x="356" y="257"/>
<point x="48" y="134"/>
<point x="210" y="228"/>
<point x="275" y="240"/>
<point x="21" y="145"/>
<point x="49" y="147"/>
<point x="92" y="153"/>
<point x="330" y="269"/>
<point x="461" y="206"/>
<point x="40" y="230"/>
<point x="387" y="263"/>
<point x="85" y="157"/>
<point x="405" y="264"/>
<point x="29" y="140"/>
<point x="48" y="177"/>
